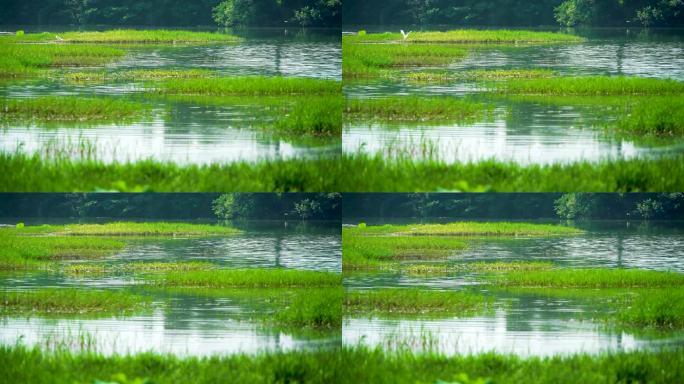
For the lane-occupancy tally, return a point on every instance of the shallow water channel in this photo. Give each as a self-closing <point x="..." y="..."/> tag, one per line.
<point x="530" y="131"/>
<point x="186" y="321"/>
<point x="199" y="131"/>
<point x="527" y="323"/>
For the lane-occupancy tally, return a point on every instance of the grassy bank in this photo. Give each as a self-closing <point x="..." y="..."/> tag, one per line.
<point x="126" y="36"/>
<point x="592" y="86"/>
<point x="470" y="36"/>
<point x="375" y="173"/>
<point x="468" y="228"/>
<point x="416" y="109"/>
<point x="55" y="301"/>
<point x="589" y="278"/>
<point x="348" y="365"/>
<point x="26" y="60"/>
<point x="248" y="278"/>
<point x="247" y="86"/>
<point x="125" y="228"/>
<point x="70" y="109"/>
<point x="403" y="301"/>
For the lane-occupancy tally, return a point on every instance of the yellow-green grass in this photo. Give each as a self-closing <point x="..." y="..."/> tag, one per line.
<point x="55" y="301"/>
<point x="141" y="266"/>
<point x="367" y="61"/>
<point x="588" y="278"/>
<point x="248" y="278"/>
<point x="124" y="228"/>
<point x="479" y="74"/>
<point x="468" y="229"/>
<point x="468" y="36"/>
<point x="661" y="309"/>
<point x="126" y="36"/>
<point x="318" y="309"/>
<point x="25" y="60"/>
<point x="137" y="75"/>
<point x="47" y="109"/>
<point x="416" y="109"/>
<point x="247" y="86"/>
<point x="591" y="86"/>
<point x="402" y="301"/>
<point x="478" y="266"/>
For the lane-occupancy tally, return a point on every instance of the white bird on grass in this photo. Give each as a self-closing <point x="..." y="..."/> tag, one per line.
<point x="405" y="35"/>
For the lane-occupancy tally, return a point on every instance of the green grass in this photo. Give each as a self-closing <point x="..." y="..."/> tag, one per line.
<point x="26" y="60"/>
<point x="653" y="117"/>
<point x="317" y="309"/>
<point x="591" y="86"/>
<point x="352" y="364"/>
<point x="468" y="228"/>
<point x="247" y="86"/>
<point x="479" y="74"/>
<point x="55" y="301"/>
<point x="70" y="109"/>
<point x="382" y="252"/>
<point x="142" y="229"/>
<point x="376" y="173"/>
<point x="469" y="36"/>
<point x="589" y="278"/>
<point x="137" y="75"/>
<point x="127" y="36"/>
<point x="319" y="116"/>
<point x="375" y="60"/>
<point x="21" y="172"/>
<point x="244" y="278"/>
<point x="416" y="109"/>
<point x="398" y="301"/>
<point x="142" y="266"/>
<point x="661" y="309"/>
<point x="479" y="266"/>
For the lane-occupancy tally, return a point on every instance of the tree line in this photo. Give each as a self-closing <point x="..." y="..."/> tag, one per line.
<point x="567" y="13"/>
<point x="175" y="13"/>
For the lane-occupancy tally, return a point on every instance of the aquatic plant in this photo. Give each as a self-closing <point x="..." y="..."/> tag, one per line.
<point x="137" y="75"/>
<point x="70" y="109"/>
<point x="255" y="278"/>
<point x="589" y="278"/>
<point x="415" y="301"/>
<point x="478" y="266"/>
<point x="250" y="85"/>
<point x="140" y="266"/>
<point x="416" y="109"/>
<point x="468" y="228"/>
<point x="126" y="36"/>
<point x="469" y="36"/>
<point x="70" y="301"/>
<point x="654" y="308"/>
<point x="591" y="86"/>
<point x="478" y="74"/>
<point x="125" y="228"/>
<point x="319" y="308"/>
<point x="25" y="60"/>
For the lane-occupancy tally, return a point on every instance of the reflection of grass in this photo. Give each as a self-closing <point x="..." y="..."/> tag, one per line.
<point x="255" y="278"/>
<point x="22" y="60"/>
<point x="120" y="36"/>
<point x="468" y="228"/>
<point x="253" y="85"/>
<point x="415" y="301"/>
<point x="469" y="36"/>
<point x="69" y="109"/>
<point x="366" y="60"/>
<point x="589" y="278"/>
<point x="23" y="172"/>
<point x="375" y="173"/>
<point x="592" y="86"/>
<point x="414" y="108"/>
<point x="70" y="301"/>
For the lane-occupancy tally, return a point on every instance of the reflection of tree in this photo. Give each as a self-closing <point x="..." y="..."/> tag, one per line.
<point x="620" y="248"/>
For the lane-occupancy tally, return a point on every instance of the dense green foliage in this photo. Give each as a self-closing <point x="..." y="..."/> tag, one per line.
<point x="292" y="205"/>
<point x="579" y="206"/>
<point x="253" y="278"/>
<point x="248" y="86"/>
<point x="596" y="13"/>
<point x="590" y="278"/>
<point x="305" y="13"/>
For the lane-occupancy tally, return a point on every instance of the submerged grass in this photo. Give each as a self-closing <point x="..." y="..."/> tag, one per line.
<point x="71" y="301"/>
<point x="69" y="109"/>
<point x="415" y="301"/>
<point x="416" y="109"/>
<point x="589" y="278"/>
<point x="469" y="36"/>
<point x="248" y="86"/>
<point x="350" y="364"/>
<point x="592" y="86"/>
<point x="255" y="278"/>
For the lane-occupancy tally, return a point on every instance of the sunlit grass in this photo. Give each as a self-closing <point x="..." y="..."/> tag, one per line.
<point x="660" y="309"/>
<point x="251" y="85"/>
<point x="467" y="228"/>
<point x="142" y="229"/>
<point x="141" y="266"/>
<point x="254" y="278"/>
<point x="416" y="109"/>
<point x="137" y="75"/>
<point x="25" y="60"/>
<point x="592" y="86"/>
<point x="397" y="301"/>
<point x="317" y="309"/>
<point x="126" y="36"/>
<point x="469" y="36"/>
<point x="51" y="301"/>
<point x="478" y="266"/>
<point x="478" y="74"/>
<point x="70" y="109"/>
<point x="589" y="278"/>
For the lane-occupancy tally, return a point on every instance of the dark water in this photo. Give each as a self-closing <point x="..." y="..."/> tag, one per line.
<point x="182" y="131"/>
<point x="187" y="322"/>
<point x="530" y="132"/>
<point x="533" y="323"/>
